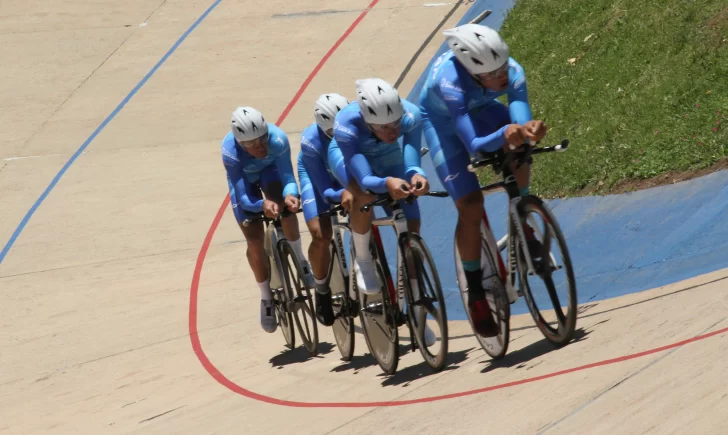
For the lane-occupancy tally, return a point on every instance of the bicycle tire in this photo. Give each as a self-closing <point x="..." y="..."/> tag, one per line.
<point x="302" y="299"/>
<point x="284" y="318"/>
<point x="495" y="347"/>
<point x="417" y="255"/>
<point x="564" y="333"/>
<point x="380" y="331"/>
<point x="343" y="327"/>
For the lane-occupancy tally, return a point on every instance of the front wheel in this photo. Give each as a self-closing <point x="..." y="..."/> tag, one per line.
<point x="552" y="303"/>
<point x="424" y="297"/>
<point x="302" y="302"/>
<point x="343" y="326"/>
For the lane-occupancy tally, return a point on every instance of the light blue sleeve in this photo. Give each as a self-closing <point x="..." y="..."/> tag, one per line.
<point x="285" y="168"/>
<point x="346" y="135"/>
<point x="412" y="141"/>
<point x="451" y="91"/>
<point x="236" y="177"/>
<point x="518" y="105"/>
<point x="319" y="176"/>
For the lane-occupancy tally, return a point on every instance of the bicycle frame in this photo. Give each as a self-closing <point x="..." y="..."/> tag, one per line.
<point x="273" y="234"/>
<point x="349" y="304"/>
<point x="399" y="223"/>
<point x="508" y="185"/>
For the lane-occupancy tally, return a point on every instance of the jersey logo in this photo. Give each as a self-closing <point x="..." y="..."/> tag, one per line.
<point x="447" y="84"/>
<point x="341" y="129"/>
<point x="229" y="155"/>
<point x="309" y="201"/>
<point x="451" y="177"/>
<point x="519" y="82"/>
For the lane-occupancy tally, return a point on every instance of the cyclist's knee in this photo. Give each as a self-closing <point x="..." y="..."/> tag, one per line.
<point x="470" y="207"/>
<point x="320" y="232"/>
<point x="254" y="235"/>
<point x="360" y="197"/>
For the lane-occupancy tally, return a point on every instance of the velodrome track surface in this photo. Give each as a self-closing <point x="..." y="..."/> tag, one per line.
<point x="115" y="321"/>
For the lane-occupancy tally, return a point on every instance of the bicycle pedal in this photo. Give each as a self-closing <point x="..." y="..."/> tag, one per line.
<point x="375" y="308"/>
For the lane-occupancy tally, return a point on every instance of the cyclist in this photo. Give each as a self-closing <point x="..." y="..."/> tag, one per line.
<point x="367" y="134"/>
<point x="463" y="118"/>
<point x="320" y="188"/>
<point x="257" y="159"/>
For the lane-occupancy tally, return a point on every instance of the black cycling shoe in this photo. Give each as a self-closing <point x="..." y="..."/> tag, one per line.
<point x="482" y="315"/>
<point x="324" y="310"/>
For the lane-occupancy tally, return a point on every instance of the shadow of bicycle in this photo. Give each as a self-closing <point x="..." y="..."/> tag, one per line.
<point x="356" y="364"/>
<point x="299" y="355"/>
<point x="519" y="358"/>
<point x="405" y="376"/>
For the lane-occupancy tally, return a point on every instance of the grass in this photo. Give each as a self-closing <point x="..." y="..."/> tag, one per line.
<point x="646" y="91"/>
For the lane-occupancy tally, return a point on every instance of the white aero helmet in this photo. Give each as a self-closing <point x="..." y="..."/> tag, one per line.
<point x="379" y="101"/>
<point x="479" y="48"/>
<point x="248" y="124"/>
<point x="326" y="108"/>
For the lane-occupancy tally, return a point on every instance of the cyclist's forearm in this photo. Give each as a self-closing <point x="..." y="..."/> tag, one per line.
<point x="475" y="144"/>
<point x="520" y="112"/>
<point x="362" y="172"/>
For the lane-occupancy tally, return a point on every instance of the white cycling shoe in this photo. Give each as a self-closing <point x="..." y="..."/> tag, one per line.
<point x="430" y="338"/>
<point x="268" y="316"/>
<point x="366" y="277"/>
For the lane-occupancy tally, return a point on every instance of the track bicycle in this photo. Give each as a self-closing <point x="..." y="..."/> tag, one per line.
<point x="522" y="263"/>
<point x="289" y="284"/>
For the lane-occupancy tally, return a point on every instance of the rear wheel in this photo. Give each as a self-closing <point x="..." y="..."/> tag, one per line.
<point x="497" y="297"/>
<point x="377" y="314"/>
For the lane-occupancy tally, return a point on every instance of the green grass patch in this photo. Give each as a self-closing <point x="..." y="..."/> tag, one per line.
<point x="646" y="91"/>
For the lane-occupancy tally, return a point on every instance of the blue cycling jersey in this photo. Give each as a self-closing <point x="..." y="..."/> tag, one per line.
<point x="450" y="93"/>
<point x="369" y="160"/>
<point x="314" y="158"/>
<point x="244" y="170"/>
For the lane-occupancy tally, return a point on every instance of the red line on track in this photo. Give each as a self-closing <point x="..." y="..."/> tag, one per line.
<point x="232" y="386"/>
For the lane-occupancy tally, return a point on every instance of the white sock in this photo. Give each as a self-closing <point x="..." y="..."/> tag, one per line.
<point x="320" y="281"/>
<point x="265" y="293"/>
<point x="361" y="244"/>
<point x="297" y="248"/>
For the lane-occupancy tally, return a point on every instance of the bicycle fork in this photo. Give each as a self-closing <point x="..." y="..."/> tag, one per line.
<point x="513" y="213"/>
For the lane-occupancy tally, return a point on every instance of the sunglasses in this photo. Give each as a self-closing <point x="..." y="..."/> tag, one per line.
<point x="383" y="128"/>
<point x="257" y="142"/>
<point x="503" y="70"/>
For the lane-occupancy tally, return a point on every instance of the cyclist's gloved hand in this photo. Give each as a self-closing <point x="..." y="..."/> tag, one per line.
<point x="535" y="130"/>
<point x="420" y="185"/>
<point x="515" y="137"/>
<point x="270" y="209"/>
<point x="398" y="188"/>
<point x="292" y="202"/>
